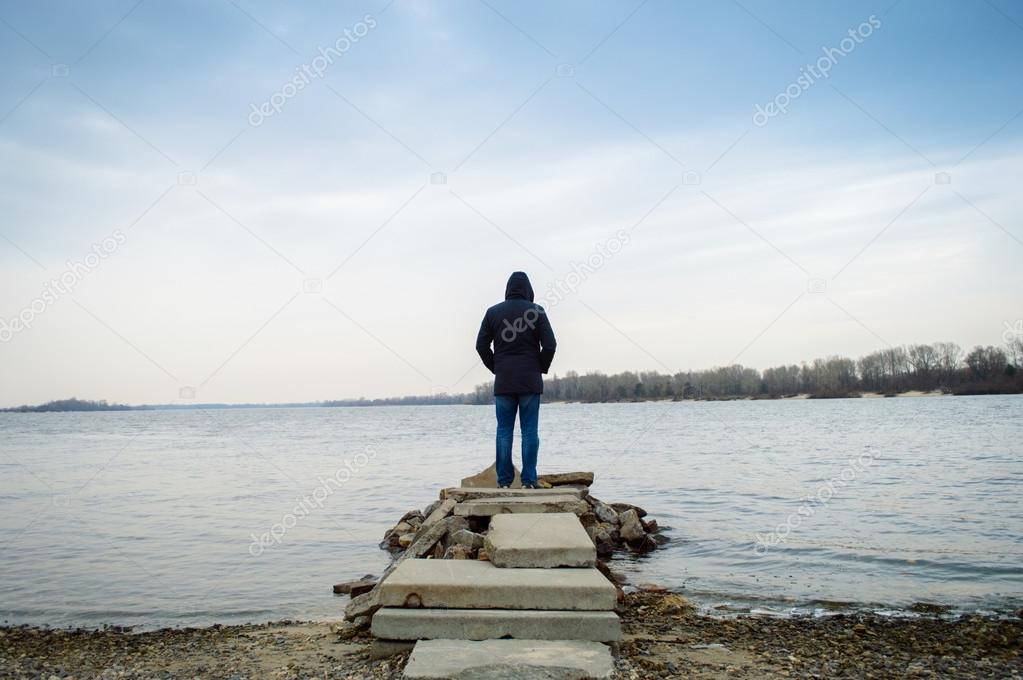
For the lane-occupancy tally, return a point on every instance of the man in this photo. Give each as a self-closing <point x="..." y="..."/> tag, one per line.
<point x="523" y="349"/>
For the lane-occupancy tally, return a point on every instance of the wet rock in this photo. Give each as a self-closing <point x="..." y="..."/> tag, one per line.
<point x="643" y="545"/>
<point x="613" y="576"/>
<point x="631" y="530"/>
<point x="649" y="526"/>
<point x="651" y="588"/>
<point x="605" y="513"/>
<point x="405" y="540"/>
<point x="625" y="507"/>
<point x="607" y="533"/>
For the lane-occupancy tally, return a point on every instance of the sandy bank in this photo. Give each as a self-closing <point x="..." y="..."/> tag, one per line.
<point x="664" y="637"/>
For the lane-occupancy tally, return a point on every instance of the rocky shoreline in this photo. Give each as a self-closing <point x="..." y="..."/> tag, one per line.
<point x="665" y="637"/>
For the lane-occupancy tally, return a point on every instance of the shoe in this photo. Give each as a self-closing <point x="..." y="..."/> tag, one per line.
<point x="504" y="486"/>
<point x="530" y="486"/>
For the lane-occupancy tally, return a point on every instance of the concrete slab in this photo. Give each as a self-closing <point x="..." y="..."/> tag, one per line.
<point x="488" y="507"/>
<point x="473" y="584"/>
<point x="462" y="659"/>
<point x="494" y="624"/>
<point x="464" y="494"/>
<point x="539" y="541"/>
<point x="442" y="511"/>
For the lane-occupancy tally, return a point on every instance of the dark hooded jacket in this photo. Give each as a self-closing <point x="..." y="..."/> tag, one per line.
<point x="523" y="340"/>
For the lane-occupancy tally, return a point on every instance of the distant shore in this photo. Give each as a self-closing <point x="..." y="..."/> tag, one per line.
<point x="664" y="637"/>
<point x="44" y="408"/>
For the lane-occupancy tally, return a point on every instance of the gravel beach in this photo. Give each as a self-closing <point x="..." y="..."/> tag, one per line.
<point x="664" y="638"/>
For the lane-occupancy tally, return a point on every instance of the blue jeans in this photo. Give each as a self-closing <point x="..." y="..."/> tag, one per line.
<point x="528" y="407"/>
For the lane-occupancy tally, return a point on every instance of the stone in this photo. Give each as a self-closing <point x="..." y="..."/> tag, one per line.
<point x="428" y="510"/>
<point x="488" y="478"/>
<point x="651" y="588"/>
<point x="458" y="552"/>
<point x="606" y="533"/>
<point x="539" y="541"/>
<point x="643" y="545"/>
<point x="346" y="630"/>
<point x="613" y="576"/>
<point x="428" y="537"/>
<point x="469" y="539"/>
<point x="381" y="649"/>
<point x="493" y="624"/>
<point x="631" y="530"/>
<point x="567" y="478"/>
<point x="622" y="507"/>
<point x="605" y="549"/>
<point x="505" y="659"/>
<point x="474" y="584"/>
<point x="440" y="512"/>
<point x="405" y="540"/>
<point x="412" y="513"/>
<point x="363" y="605"/>
<point x="486" y="507"/>
<point x="649" y="526"/>
<point x="460" y="494"/>
<point x="605" y="513"/>
<point x="353" y="588"/>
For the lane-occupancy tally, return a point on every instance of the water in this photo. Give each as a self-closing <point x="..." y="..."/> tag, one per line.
<point x="148" y="518"/>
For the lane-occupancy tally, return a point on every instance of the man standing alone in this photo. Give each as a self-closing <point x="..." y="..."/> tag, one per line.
<point x="523" y="349"/>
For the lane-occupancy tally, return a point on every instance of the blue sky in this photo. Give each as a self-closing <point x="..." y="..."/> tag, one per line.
<point x="555" y="125"/>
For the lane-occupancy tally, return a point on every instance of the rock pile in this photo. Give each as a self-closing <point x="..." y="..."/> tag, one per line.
<point x="455" y="527"/>
<point x="613" y="527"/>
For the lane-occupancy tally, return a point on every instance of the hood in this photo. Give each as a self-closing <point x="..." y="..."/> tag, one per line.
<point x="518" y="287"/>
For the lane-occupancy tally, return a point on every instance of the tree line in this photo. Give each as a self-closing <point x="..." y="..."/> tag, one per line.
<point x="940" y="366"/>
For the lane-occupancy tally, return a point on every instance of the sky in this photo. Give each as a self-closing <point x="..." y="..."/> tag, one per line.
<point x="255" y="201"/>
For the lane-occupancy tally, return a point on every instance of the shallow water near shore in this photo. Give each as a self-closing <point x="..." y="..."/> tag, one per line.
<point x="172" y="518"/>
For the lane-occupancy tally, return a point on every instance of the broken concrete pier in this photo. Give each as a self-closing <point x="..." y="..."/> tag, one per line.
<point x="517" y="593"/>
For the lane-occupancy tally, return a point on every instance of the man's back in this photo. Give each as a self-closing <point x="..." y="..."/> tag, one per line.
<point x="523" y="340"/>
